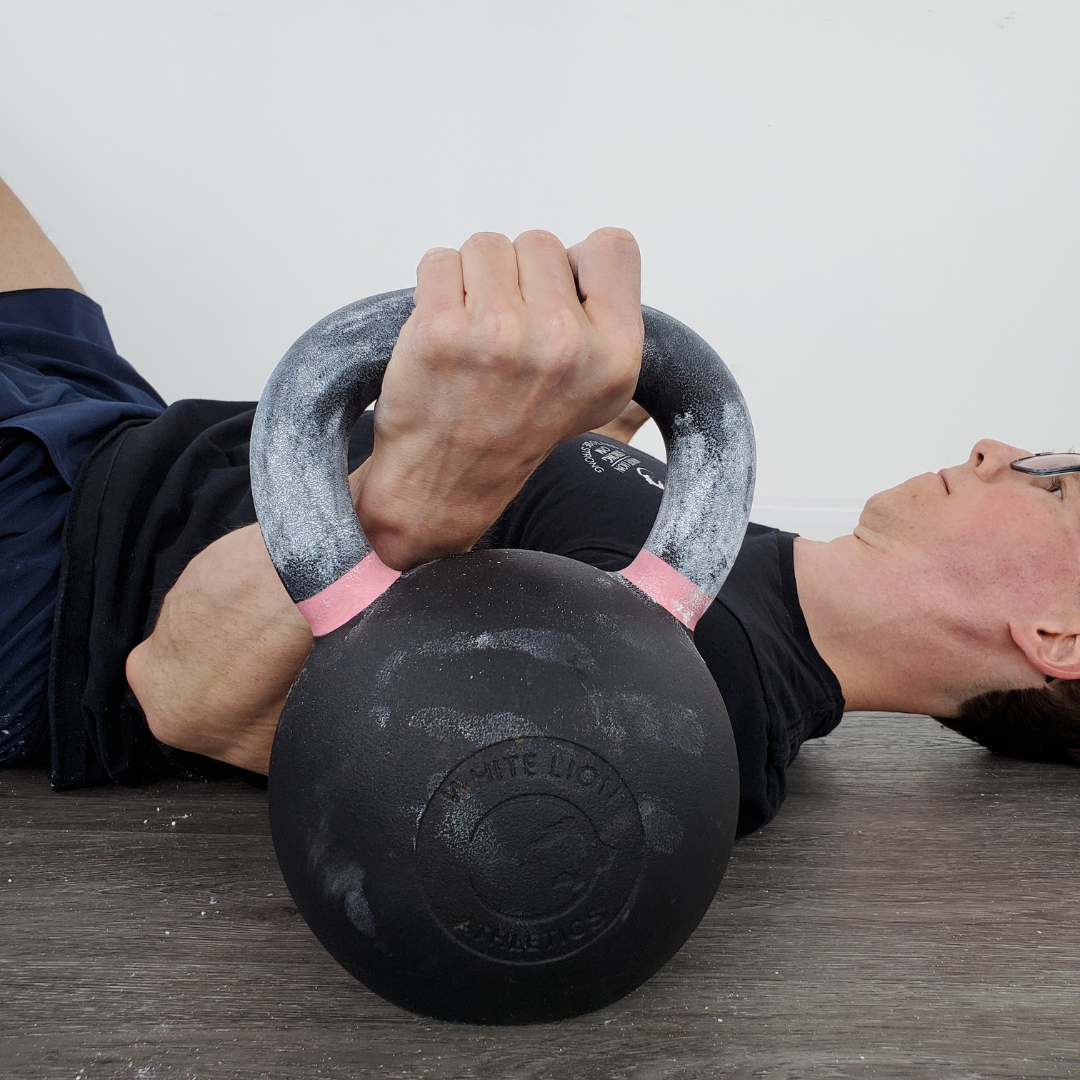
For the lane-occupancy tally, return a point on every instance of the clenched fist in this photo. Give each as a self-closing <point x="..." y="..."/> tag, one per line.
<point x="512" y="348"/>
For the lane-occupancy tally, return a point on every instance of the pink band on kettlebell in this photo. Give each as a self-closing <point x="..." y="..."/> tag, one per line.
<point x="670" y="589"/>
<point x="348" y="596"/>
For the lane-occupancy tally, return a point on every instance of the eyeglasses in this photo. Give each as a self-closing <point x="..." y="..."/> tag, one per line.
<point x="1048" y="464"/>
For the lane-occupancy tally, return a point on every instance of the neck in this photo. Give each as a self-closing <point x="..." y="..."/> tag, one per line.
<point x="879" y="621"/>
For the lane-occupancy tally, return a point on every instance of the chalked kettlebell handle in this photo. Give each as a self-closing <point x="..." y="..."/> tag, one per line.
<point x="317" y="392"/>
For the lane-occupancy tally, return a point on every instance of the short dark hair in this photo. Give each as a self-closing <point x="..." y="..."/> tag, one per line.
<point x="1041" y="724"/>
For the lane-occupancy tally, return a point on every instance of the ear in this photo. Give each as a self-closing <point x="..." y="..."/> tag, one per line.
<point x="1055" y="651"/>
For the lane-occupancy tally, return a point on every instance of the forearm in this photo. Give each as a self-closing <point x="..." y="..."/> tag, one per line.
<point x="510" y="349"/>
<point x="213" y="676"/>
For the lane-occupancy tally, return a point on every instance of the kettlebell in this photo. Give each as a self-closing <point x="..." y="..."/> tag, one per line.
<point x="504" y="786"/>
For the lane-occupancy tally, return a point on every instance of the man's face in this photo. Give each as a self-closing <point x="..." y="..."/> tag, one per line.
<point x="998" y="543"/>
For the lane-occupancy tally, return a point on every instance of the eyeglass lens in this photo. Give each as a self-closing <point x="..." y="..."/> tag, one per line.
<point x="1048" y="464"/>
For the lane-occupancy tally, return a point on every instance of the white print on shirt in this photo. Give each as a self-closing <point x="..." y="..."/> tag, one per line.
<point x="587" y="454"/>
<point x="596" y="453"/>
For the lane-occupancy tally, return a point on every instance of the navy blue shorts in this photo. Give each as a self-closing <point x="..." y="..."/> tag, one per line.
<point x="63" y="388"/>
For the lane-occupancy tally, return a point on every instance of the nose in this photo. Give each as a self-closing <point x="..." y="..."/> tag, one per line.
<point x="990" y="458"/>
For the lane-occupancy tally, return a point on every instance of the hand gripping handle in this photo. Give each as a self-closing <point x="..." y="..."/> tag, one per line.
<point x="299" y="468"/>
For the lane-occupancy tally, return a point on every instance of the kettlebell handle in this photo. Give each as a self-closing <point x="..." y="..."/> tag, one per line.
<point x="315" y="395"/>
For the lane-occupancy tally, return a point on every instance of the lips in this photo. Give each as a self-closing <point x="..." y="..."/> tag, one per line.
<point x="941" y="477"/>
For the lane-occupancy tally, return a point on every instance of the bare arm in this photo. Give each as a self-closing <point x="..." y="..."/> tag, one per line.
<point x="512" y="348"/>
<point x="213" y="676"/>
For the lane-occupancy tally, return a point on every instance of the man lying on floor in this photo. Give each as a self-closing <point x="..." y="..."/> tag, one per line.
<point x="146" y="634"/>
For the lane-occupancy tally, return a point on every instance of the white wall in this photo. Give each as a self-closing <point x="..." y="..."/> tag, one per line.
<point x="871" y="210"/>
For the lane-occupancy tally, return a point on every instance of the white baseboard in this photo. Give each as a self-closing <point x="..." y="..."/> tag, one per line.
<point x="816" y="519"/>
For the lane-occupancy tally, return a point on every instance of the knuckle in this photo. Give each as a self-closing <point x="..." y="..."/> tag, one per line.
<point x="611" y="234"/>
<point x="435" y="332"/>
<point x="433" y="256"/>
<point x="499" y="334"/>
<point x="164" y="728"/>
<point x="487" y="240"/>
<point x="435" y="253"/>
<point x="540" y="238"/>
<point x="565" y="343"/>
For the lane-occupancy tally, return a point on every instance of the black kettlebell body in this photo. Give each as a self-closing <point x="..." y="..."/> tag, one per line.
<point x="504" y="786"/>
<point x="499" y="814"/>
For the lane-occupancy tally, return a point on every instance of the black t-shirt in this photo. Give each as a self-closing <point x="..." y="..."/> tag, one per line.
<point x="153" y="495"/>
<point x="595" y="500"/>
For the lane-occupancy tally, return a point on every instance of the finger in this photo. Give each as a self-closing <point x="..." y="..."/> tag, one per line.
<point x="490" y="273"/>
<point x="607" y="267"/>
<point x="439" y="285"/>
<point x="544" y="275"/>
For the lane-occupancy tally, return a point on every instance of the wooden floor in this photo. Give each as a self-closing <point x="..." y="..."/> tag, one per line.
<point x="914" y="911"/>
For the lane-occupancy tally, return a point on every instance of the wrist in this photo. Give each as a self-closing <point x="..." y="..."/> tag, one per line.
<point x="415" y="509"/>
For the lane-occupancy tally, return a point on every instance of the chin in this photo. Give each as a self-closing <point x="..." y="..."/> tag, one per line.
<point x="898" y="507"/>
<point x="876" y="506"/>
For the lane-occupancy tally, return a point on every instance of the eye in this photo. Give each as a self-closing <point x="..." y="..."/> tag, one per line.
<point x="1056" y="486"/>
